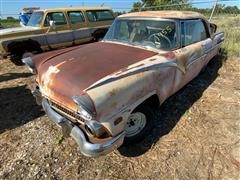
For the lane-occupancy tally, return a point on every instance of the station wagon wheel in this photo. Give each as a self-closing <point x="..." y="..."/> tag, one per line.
<point x="139" y="124"/>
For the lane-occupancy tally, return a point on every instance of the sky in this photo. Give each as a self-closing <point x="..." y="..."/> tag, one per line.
<point x="14" y="7"/>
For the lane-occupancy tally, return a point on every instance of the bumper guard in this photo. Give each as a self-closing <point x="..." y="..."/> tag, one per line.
<point x="86" y="148"/>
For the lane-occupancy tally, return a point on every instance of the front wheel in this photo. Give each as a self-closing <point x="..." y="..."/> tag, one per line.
<point x="139" y="124"/>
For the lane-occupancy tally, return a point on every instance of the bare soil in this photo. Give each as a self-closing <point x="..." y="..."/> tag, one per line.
<point x="196" y="134"/>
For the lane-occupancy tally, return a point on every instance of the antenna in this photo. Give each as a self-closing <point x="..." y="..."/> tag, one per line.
<point x="213" y="10"/>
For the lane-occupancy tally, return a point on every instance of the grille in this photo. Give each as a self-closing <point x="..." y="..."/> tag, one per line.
<point x="62" y="110"/>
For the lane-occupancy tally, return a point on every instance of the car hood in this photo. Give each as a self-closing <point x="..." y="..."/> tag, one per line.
<point x="16" y="30"/>
<point x="66" y="74"/>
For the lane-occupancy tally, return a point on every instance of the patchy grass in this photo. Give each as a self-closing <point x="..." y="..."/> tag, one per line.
<point x="195" y="135"/>
<point x="230" y="26"/>
<point x="59" y="140"/>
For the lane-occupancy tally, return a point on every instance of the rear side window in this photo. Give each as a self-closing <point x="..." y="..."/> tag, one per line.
<point x="99" y="15"/>
<point x="57" y="17"/>
<point x="76" y="17"/>
<point x="193" y="31"/>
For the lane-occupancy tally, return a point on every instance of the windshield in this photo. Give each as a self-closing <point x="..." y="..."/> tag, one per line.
<point x="35" y="19"/>
<point x="160" y="34"/>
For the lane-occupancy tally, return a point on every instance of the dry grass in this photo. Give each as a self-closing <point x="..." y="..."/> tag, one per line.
<point x="230" y="25"/>
<point x="196" y="134"/>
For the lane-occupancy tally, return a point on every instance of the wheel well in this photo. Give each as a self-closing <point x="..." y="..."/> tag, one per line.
<point x="152" y="101"/>
<point x="100" y="33"/>
<point x="20" y="47"/>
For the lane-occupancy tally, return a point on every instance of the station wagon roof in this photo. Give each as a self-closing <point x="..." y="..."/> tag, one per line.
<point x="76" y="8"/>
<point x="165" y="14"/>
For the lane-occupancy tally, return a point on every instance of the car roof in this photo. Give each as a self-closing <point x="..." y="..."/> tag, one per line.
<point x="76" y="8"/>
<point x="164" y="14"/>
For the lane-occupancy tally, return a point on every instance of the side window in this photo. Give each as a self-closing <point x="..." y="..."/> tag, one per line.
<point x="192" y="31"/>
<point x="57" y="17"/>
<point x="76" y="17"/>
<point x="91" y="16"/>
<point x="99" y="15"/>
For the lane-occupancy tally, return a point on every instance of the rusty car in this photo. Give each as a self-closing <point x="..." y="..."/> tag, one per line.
<point x="104" y="94"/>
<point x="49" y="29"/>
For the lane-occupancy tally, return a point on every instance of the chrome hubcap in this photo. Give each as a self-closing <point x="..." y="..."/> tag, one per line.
<point x="135" y="124"/>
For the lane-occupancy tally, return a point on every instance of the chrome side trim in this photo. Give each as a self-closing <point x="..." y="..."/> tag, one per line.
<point x="195" y="60"/>
<point x="148" y="68"/>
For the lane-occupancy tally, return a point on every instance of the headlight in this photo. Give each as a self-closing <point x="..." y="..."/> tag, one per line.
<point x="85" y="107"/>
<point x="84" y="114"/>
<point x="29" y="63"/>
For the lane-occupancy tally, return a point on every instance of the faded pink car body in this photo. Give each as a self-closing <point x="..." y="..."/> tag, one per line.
<point x="118" y="88"/>
<point x="162" y="74"/>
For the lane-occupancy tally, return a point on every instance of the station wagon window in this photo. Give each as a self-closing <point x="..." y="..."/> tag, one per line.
<point x="57" y="17"/>
<point x="99" y="15"/>
<point x="76" y="17"/>
<point x="192" y="31"/>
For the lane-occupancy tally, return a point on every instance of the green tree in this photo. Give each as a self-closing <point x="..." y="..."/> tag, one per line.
<point x="10" y="18"/>
<point x="160" y="5"/>
<point x="137" y="6"/>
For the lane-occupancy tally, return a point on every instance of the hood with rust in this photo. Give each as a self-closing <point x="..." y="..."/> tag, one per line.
<point x="66" y="73"/>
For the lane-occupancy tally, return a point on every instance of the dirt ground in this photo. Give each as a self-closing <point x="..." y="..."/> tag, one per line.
<point x="196" y="134"/>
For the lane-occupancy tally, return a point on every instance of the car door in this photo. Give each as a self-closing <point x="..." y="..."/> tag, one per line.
<point x="59" y="35"/>
<point x="195" y="46"/>
<point x="80" y="29"/>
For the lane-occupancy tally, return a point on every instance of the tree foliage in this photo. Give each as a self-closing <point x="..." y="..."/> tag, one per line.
<point x="156" y="4"/>
<point x="144" y="5"/>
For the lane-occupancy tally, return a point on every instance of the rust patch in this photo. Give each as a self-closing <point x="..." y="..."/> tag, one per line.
<point x="113" y="92"/>
<point x="169" y="55"/>
<point x="40" y="58"/>
<point x="127" y="69"/>
<point x="82" y="67"/>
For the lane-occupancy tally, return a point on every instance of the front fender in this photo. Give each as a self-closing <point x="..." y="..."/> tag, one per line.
<point x="119" y="98"/>
<point x="124" y="114"/>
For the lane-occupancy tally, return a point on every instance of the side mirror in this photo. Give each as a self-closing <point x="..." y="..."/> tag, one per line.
<point x="52" y="24"/>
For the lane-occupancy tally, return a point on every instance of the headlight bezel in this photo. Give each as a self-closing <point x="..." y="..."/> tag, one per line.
<point x="84" y="113"/>
<point x="85" y="107"/>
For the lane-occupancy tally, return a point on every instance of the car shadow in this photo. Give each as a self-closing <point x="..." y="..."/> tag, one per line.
<point x="170" y="112"/>
<point x="18" y="107"/>
<point x="11" y="76"/>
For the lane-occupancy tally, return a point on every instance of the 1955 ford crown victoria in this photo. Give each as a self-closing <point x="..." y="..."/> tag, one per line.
<point x="105" y="93"/>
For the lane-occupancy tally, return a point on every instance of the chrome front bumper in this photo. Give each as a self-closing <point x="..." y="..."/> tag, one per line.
<point x="86" y="148"/>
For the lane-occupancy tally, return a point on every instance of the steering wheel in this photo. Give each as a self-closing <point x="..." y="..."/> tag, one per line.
<point x="155" y="38"/>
